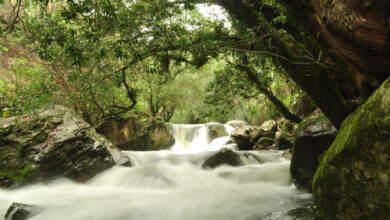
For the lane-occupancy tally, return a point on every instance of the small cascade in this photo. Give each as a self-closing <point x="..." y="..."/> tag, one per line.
<point x="172" y="185"/>
<point x="199" y="137"/>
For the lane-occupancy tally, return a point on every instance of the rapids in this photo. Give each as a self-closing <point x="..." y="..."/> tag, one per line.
<point x="170" y="185"/>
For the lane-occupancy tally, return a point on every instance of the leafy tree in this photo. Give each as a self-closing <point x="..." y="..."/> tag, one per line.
<point x="246" y="78"/>
<point x="94" y="50"/>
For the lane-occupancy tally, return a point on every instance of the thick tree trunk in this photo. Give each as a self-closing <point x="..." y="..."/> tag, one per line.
<point x="359" y="31"/>
<point x="353" y="37"/>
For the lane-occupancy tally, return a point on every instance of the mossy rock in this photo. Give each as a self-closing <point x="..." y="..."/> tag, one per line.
<point x="264" y="142"/>
<point x="54" y="142"/>
<point x="304" y="213"/>
<point x="313" y="137"/>
<point x="284" y="142"/>
<point x="132" y="134"/>
<point x="352" y="181"/>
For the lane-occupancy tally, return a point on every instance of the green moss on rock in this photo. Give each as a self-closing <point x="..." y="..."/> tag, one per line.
<point x="352" y="181"/>
<point x="132" y="134"/>
<point x="55" y="142"/>
<point x="304" y="213"/>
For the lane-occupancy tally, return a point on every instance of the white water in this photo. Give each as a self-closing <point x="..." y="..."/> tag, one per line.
<point x="170" y="185"/>
<point x="196" y="138"/>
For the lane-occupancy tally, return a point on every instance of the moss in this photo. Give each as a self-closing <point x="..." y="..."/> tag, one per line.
<point x="352" y="179"/>
<point x="305" y="213"/>
<point x="5" y="131"/>
<point x="19" y="174"/>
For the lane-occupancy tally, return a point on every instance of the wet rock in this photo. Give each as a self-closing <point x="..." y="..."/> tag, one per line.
<point x="19" y="211"/>
<point x="268" y="134"/>
<point x="78" y="158"/>
<point x="131" y="134"/>
<point x="237" y="123"/>
<point x="51" y="143"/>
<point x="264" y="143"/>
<point x="305" y="213"/>
<point x="222" y="157"/>
<point x="217" y="130"/>
<point x="120" y="158"/>
<point x="269" y="125"/>
<point x="284" y="142"/>
<point x="353" y="181"/>
<point x="245" y="137"/>
<point x="313" y="137"/>
<point x="287" y="154"/>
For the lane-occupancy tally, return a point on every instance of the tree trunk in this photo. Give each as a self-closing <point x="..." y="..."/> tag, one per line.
<point x="353" y="37"/>
<point x="271" y="97"/>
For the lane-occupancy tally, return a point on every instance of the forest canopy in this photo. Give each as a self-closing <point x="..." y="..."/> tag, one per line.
<point x="163" y="59"/>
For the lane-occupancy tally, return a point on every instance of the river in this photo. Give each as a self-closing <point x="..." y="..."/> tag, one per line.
<point x="171" y="185"/>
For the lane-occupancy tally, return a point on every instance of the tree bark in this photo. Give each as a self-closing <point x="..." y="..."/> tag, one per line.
<point x="353" y="37"/>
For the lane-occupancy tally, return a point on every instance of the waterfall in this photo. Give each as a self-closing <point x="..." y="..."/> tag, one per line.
<point x="171" y="185"/>
<point x="198" y="138"/>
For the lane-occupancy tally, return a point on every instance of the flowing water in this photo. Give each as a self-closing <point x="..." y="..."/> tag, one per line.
<point x="170" y="185"/>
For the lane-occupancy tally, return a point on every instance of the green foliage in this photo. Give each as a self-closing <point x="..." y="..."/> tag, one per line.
<point x="142" y="58"/>
<point x="24" y="87"/>
<point x="235" y="94"/>
<point x="18" y="174"/>
<point x="112" y="57"/>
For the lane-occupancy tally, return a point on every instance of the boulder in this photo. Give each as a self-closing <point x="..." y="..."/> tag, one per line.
<point x="353" y="179"/>
<point x="283" y="142"/>
<point x="269" y="125"/>
<point x="224" y="156"/>
<point x="51" y="143"/>
<point x="264" y="143"/>
<point x="131" y="134"/>
<point x="245" y="137"/>
<point x="217" y="130"/>
<point x="268" y="134"/>
<point x="304" y="213"/>
<point x="285" y="125"/>
<point x="312" y="138"/>
<point x="237" y="123"/>
<point x="19" y="211"/>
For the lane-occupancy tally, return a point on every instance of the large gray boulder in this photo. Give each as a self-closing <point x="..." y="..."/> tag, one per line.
<point x="353" y="180"/>
<point x="131" y="134"/>
<point x="268" y="126"/>
<point x="52" y="143"/>
<point x="245" y="137"/>
<point x="312" y="138"/>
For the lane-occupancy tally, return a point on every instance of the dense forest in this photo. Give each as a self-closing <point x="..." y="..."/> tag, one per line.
<point x="157" y="60"/>
<point x="315" y="71"/>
